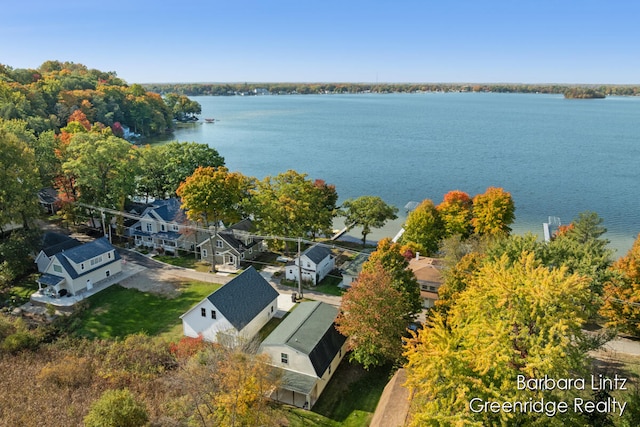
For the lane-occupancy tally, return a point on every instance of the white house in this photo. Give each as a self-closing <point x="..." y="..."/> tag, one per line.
<point x="308" y="348"/>
<point x="161" y="226"/>
<point x="351" y="270"/>
<point x="235" y="312"/>
<point x="74" y="270"/>
<point x="53" y="243"/>
<point x="314" y="263"/>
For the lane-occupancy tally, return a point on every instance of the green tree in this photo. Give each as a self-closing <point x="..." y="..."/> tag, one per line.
<point x="19" y="180"/>
<point x="373" y="317"/>
<point x="291" y="205"/>
<point x="424" y="227"/>
<point x="181" y="159"/>
<point x="183" y="108"/>
<point x="116" y="408"/>
<point x="493" y="212"/>
<point x="512" y="319"/>
<point x="388" y="256"/>
<point x="367" y="212"/>
<point x="104" y="169"/>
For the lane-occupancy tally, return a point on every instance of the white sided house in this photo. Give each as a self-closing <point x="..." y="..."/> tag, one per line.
<point x="314" y="264"/>
<point x="79" y="268"/>
<point x="308" y="348"/>
<point x="233" y="314"/>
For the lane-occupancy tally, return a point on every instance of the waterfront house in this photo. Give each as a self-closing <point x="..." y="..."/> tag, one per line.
<point x="351" y="270"/>
<point x="308" y="348"/>
<point x="76" y="269"/>
<point x="232" y="245"/>
<point x="428" y="272"/>
<point x="314" y="264"/>
<point x="234" y="313"/>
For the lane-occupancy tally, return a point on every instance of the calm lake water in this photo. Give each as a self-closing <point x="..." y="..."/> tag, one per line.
<point x="555" y="156"/>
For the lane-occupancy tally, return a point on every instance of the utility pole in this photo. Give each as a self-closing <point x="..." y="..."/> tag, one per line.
<point x="299" y="271"/>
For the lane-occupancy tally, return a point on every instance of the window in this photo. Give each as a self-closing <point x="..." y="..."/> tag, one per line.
<point x="57" y="268"/>
<point x="284" y="358"/>
<point x="219" y="244"/>
<point x="150" y="228"/>
<point x="272" y="309"/>
<point x="109" y="255"/>
<point x="203" y="312"/>
<point x="175" y="227"/>
<point x="162" y="227"/>
<point x="250" y="250"/>
<point x="82" y="266"/>
<point x="242" y="255"/>
<point x="329" y="369"/>
<point x="108" y="273"/>
<point x="96" y="260"/>
<point x="213" y="314"/>
<point x="204" y="253"/>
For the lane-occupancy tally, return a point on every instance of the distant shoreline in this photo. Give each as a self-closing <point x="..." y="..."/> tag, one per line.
<point x="265" y="89"/>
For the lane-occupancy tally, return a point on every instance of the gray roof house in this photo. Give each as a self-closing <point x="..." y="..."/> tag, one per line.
<point x="52" y="243"/>
<point x="314" y="264"/>
<point x="161" y="226"/>
<point x="232" y="245"/>
<point x="308" y="348"/>
<point x="234" y="313"/>
<point x="71" y="271"/>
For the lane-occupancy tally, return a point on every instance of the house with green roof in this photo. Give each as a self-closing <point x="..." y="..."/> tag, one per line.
<point x="235" y="312"/>
<point x="308" y="348"/>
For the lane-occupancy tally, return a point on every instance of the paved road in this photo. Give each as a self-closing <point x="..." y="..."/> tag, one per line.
<point x="267" y="273"/>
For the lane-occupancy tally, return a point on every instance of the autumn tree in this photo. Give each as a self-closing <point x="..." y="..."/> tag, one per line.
<point x="512" y="319"/>
<point x="621" y="305"/>
<point x="214" y="195"/>
<point x="367" y="212"/>
<point x="373" y="316"/>
<point x="424" y="227"/>
<point x="291" y="205"/>
<point x="389" y="256"/>
<point x="456" y="212"/>
<point x="222" y="387"/>
<point x="493" y="212"/>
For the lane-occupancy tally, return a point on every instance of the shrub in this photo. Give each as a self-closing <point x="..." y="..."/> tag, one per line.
<point x="116" y="408"/>
<point x="70" y="371"/>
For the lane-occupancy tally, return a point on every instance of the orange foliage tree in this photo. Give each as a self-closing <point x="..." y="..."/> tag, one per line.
<point x="622" y="293"/>
<point x="456" y="211"/>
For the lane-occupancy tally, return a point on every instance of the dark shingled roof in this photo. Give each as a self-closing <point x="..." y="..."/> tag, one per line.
<point x="169" y="209"/>
<point x="310" y="330"/>
<point x="243" y="298"/>
<point x="317" y="253"/>
<point x="89" y="250"/>
<point x="52" y="243"/>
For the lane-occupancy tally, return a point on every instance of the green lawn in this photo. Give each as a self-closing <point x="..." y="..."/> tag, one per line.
<point x="349" y="400"/>
<point x="20" y="291"/>
<point x="328" y="285"/>
<point x="117" y="311"/>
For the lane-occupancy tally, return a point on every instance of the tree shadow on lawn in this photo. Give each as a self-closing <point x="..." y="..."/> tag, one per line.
<point x="353" y="393"/>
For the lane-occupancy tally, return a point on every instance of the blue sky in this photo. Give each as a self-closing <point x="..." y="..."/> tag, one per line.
<point x="516" y="41"/>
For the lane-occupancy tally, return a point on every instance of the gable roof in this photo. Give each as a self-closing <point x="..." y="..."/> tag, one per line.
<point x="89" y="250"/>
<point x="317" y="253"/>
<point x="243" y="298"/>
<point x="48" y="195"/>
<point x="354" y="267"/>
<point x="167" y="210"/>
<point x="310" y="330"/>
<point x="52" y="243"/>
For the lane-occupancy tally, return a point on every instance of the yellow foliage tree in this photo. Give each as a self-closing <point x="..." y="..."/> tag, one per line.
<point x="513" y="318"/>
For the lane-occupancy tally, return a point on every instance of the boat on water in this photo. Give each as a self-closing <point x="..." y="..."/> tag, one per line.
<point x="209" y="120"/>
